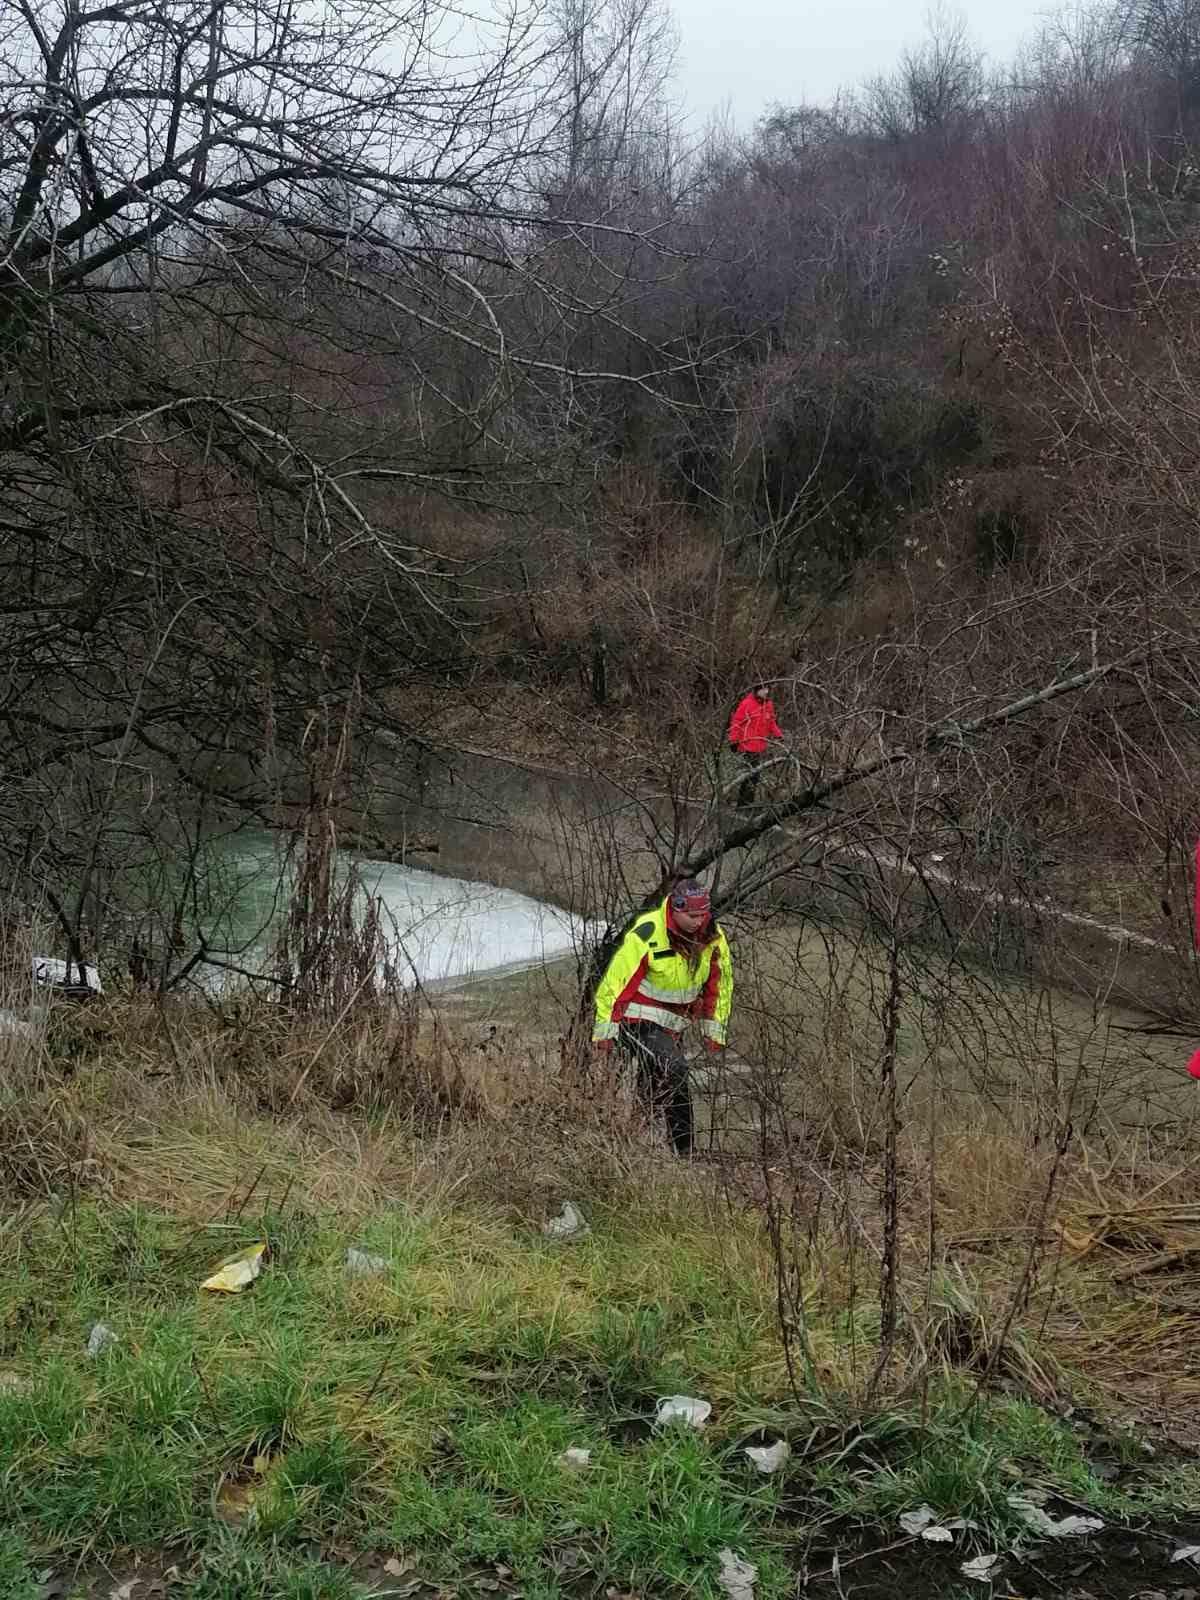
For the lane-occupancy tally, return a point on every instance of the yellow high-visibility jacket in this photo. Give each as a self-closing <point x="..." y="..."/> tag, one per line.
<point x="648" y="980"/>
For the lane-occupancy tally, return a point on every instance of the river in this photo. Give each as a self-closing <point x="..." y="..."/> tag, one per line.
<point x="438" y="929"/>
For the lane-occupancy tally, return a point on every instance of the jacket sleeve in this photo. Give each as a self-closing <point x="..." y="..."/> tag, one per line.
<point x="739" y="722"/>
<point x="776" y="730"/>
<point x="716" y="998"/>
<point x="621" y="978"/>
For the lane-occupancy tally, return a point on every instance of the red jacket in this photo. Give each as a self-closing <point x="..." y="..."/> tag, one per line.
<point x="752" y="724"/>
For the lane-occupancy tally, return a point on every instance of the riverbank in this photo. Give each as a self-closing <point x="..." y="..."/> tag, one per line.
<point x="396" y="1419"/>
<point x="592" y="842"/>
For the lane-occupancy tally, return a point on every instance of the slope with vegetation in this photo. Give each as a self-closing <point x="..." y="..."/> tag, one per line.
<point x="370" y="390"/>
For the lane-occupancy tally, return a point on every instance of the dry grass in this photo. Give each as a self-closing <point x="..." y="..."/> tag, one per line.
<point x="141" y="1144"/>
<point x="198" y="1112"/>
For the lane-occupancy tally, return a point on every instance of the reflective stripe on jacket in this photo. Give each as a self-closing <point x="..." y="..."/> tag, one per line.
<point x="649" y="980"/>
<point x="752" y="724"/>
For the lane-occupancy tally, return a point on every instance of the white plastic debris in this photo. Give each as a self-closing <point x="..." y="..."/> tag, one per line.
<point x="568" y="1224"/>
<point x="574" y="1459"/>
<point x="684" y="1408"/>
<point x="1187" y="1552"/>
<point x="364" y="1265"/>
<point x="100" y="1338"/>
<point x="16" y="1027"/>
<point x="768" y="1458"/>
<point x="923" y="1521"/>
<point x="981" y="1568"/>
<point x="1076" y="1527"/>
<point x="1032" y="1515"/>
<point x="52" y="972"/>
<point x="917" y="1521"/>
<point x="1048" y="1527"/>
<point x="736" y="1577"/>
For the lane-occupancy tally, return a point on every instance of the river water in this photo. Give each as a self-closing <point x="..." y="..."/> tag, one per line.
<point x="438" y="929"/>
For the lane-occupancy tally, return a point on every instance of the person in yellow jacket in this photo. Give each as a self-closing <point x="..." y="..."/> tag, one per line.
<point x="672" y="965"/>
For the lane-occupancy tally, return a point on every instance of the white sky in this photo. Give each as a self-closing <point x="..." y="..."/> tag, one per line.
<point x="743" y="54"/>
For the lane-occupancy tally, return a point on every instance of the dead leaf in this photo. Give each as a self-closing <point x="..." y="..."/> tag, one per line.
<point x="395" y="1568"/>
<point x="235" y="1502"/>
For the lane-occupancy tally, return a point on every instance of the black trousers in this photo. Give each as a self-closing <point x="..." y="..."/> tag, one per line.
<point x="749" y="762"/>
<point x="662" y="1073"/>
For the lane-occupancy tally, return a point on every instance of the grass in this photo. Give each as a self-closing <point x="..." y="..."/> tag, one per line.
<point x="262" y="1443"/>
<point x="423" y="1411"/>
<point x="423" y="1408"/>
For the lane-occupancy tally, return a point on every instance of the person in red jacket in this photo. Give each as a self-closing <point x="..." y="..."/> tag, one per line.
<point x="751" y="727"/>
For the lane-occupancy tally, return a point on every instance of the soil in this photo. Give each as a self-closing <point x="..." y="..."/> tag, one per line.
<point x="1118" y="1564"/>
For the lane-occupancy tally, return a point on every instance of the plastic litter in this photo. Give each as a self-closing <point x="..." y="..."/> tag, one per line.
<point x="923" y="1521"/>
<point x="238" y="1272"/>
<point x="16" y="1027"/>
<point x="568" y="1224"/>
<point x="50" y="971"/>
<point x="1076" y="1527"/>
<point x="99" y="1339"/>
<point x="1187" y="1552"/>
<point x="574" y="1459"/>
<point x="363" y="1265"/>
<point x="916" y="1521"/>
<point x="684" y="1408"/>
<point x="736" y="1577"/>
<point x="981" y="1568"/>
<point x="769" y="1458"/>
<point x="1048" y="1527"/>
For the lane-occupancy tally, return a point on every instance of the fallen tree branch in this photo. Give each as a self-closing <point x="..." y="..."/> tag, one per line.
<point x="943" y="735"/>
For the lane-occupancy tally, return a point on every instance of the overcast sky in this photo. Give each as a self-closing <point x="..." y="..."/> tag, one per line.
<point x="747" y="53"/>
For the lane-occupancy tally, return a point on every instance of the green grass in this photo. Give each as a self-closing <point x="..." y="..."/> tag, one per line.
<point x="423" y="1411"/>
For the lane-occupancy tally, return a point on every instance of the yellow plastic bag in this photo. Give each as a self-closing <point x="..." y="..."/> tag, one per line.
<point x="239" y="1272"/>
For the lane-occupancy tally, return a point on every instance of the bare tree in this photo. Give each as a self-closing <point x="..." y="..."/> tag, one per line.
<point x="270" y="291"/>
<point x="937" y="88"/>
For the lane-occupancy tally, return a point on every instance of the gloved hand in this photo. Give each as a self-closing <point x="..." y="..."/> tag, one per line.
<point x="602" y="1047"/>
